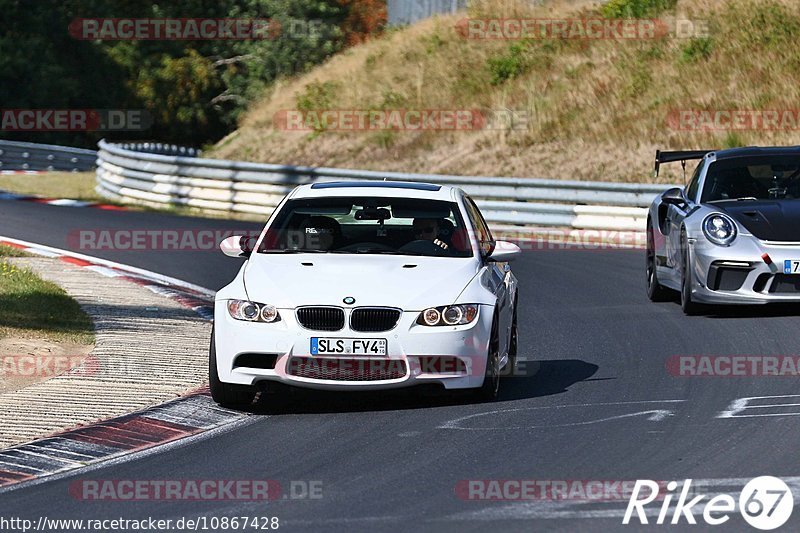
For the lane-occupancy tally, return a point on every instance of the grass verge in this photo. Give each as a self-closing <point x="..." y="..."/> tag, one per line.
<point x="10" y="251"/>
<point x="74" y="185"/>
<point x="33" y="307"/>
<point x="80" y="186"/>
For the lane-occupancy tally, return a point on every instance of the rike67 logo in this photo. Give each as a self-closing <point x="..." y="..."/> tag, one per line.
<point x="765" y="503"/>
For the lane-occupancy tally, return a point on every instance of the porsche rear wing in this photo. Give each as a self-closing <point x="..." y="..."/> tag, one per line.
<point x="681" y="155"/>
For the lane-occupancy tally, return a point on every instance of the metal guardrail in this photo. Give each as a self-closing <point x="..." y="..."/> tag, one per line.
<point x="31" y="156"/>
<point x="411" y="11"/>
<point x="161" y="148"/>
<point x="519" y="204"/>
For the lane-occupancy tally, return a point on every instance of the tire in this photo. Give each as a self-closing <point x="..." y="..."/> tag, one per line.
<point x="489" y="391"/>
<point x="226" y="394"/>
<point x="690" y="307"/>
<point x="655" y="291"/>
<point x="513" y="343"/>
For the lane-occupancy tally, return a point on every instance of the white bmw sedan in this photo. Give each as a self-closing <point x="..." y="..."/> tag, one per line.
<point x="366" y="285"/>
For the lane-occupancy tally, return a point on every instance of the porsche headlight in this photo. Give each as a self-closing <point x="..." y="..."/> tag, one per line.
<point x="252" y="311"/>
<point x="719" y="229"/>
<point x="448" y="315"/>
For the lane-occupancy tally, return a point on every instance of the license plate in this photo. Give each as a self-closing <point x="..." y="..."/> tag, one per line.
<point x="328" y="346"/>
<point x="791" y="266"/>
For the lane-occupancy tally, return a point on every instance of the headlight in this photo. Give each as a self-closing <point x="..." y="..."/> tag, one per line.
<point x="719" y="229"/>
<point x="252" y="312"/>
<point x="448" y="315"/>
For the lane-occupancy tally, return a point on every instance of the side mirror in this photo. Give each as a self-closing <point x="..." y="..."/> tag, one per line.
<point x="674" y="196"/>
<point x="238" y="246"/>
<point x="504" y="251"/>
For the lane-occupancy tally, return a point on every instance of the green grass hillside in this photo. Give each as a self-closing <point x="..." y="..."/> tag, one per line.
<point x="597" y="109"/>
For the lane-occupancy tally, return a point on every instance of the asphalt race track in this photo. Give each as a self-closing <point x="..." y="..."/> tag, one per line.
<point x="598" y="404"/>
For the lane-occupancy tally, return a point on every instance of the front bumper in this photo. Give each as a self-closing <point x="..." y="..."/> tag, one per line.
<point x="408" y="344"/>
<point x="739" y="274"/>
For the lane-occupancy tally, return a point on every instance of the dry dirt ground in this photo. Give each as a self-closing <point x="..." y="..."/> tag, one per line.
<point x="25" y="361"/>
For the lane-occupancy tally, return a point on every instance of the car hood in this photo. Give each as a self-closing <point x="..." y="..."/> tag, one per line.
<point x="408" y="282"/>
<point x="768" y="220"/>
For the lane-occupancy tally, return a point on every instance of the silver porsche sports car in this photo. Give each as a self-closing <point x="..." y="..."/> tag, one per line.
<point x="732" y="235"/>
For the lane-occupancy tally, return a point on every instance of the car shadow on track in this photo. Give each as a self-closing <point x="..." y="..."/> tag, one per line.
<point x="772" y="310"/>
<point x="753" y="311"/>
<point x="545" y="378"/>
<point x="533" y="379"/>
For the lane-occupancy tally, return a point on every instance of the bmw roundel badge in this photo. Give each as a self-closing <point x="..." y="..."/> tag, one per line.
<point x="349" y="300"/>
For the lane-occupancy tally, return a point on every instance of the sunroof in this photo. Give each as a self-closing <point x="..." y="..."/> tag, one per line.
<point x="377" y="184"/>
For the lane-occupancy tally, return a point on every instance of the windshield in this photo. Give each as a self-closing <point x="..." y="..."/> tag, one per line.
<point x="367" y="225"/>
<point x="753" y="178"/>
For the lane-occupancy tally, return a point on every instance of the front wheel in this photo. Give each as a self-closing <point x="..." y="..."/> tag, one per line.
<point x="490" y="389"/>
<point x="226" y="394"/>
<point x="689" y="306"/>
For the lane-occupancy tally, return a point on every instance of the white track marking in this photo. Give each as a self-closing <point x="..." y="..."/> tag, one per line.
<point x="656" y="415"/>
<point x="744" y="404"/>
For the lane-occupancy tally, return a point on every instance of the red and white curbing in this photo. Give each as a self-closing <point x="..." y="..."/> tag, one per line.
<point x="16" y="172"/>
<point x="74" y="449"/>
<point x="62" y="202"/>
<point x="192" y="414"/>
<point x="199" y="299"/>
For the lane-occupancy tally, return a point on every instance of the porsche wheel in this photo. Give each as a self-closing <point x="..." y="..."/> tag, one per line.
<point x="226" y="394"/>
<point x="511" y="366"/>
<point x="689" y="306"/>
<point x="655" y="291"/>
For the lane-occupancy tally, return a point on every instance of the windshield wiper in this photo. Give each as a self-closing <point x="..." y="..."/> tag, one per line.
<point x="742" y="199"/>
<point x="372" y="251"/>
<point x="296" y="251"/>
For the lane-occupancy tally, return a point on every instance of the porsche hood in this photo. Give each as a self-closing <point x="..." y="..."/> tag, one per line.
<point x="768" y="220"/>
<point x="407" y="282"/>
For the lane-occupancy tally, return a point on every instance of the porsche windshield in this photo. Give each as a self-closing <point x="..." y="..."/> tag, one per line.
<point x="753" y="178"/>
<point x="368" y="225"/>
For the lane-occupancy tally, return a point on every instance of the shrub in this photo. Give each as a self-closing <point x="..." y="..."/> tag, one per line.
<point x="317" y="97"/>
<point x="509" y="65"/>
<point x="636" y="8"/>
<point x="697" y="49"/>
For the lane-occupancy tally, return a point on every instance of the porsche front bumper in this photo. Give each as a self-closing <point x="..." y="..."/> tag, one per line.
<point x="750" y="271"/>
